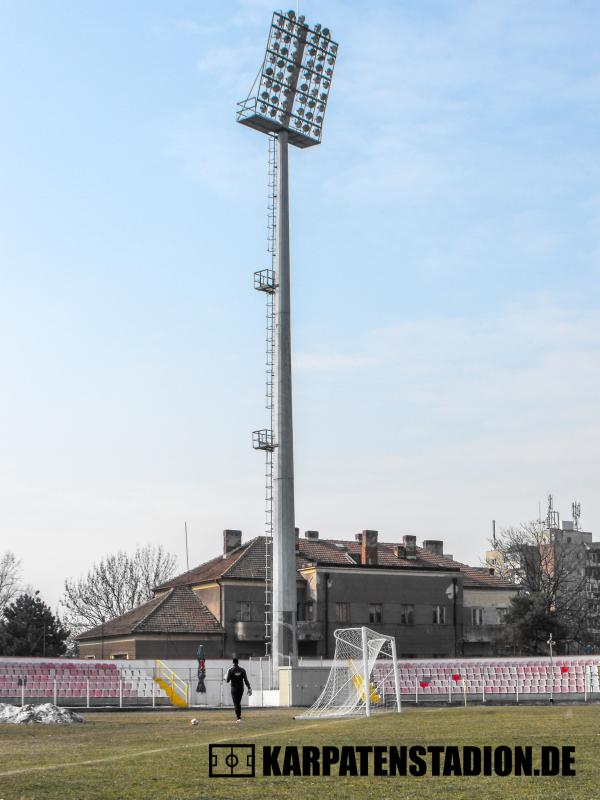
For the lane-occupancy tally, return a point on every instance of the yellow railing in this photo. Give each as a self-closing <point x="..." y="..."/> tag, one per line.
<point x="176" y="688"/>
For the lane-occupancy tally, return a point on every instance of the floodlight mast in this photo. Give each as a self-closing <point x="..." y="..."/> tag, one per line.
<point x="292" y="113"/>
<point x="284" y="535"/>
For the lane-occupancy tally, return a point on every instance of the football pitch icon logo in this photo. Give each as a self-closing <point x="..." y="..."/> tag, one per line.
<point x="231" y="760"/>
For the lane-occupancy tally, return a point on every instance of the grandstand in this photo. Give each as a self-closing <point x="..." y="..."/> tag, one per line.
<point x="508" y="680"/>
<point x="143" y="683"/>
<point x="78" y="682"/>
<point x="575" y="676"/>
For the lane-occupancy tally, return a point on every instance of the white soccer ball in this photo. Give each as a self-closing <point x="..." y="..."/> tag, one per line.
<point x="194" y="722"/>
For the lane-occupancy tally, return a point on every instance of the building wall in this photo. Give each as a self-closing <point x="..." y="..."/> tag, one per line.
<point x="362" y="588"/>
<point x="592" y="572"/>
<point x="484" y="639"/>
<point x="491" y="601"/>
<point x="366" y="587"/>
<point x="234" y="593"/>
<point x="166" y="647"/>
<point x="211" y="597"/>
<point x="108" y="649"/>
<point x="153" y="647"/>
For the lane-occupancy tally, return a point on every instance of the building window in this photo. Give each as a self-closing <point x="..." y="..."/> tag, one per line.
<point x="439" y="615"/>
<point x="375" y="613"/>
<point x="477" y="616"/>
<point x="342" y="612"/>
<point x="407" y="615"/>
<point x="120" y="656"/>
<point x="309" y="612"/>
<point x="501" y="611"/>
<point x="243" y="611"/>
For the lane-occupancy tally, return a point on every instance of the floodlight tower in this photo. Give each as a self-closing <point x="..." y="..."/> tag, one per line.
<point x="287" y="102"/>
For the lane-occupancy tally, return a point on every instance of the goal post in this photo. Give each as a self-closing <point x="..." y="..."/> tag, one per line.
<point x="366" y="674"/>
<point x="396" y="677"/>
<point x="363" y="678"/>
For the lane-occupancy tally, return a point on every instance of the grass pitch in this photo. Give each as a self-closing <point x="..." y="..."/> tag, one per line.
<point x="142" y="756"/>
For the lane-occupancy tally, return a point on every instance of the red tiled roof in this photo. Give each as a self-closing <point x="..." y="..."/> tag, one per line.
<point x="178" y="610"/>
<point x="248" y="562"/>
<point x="210" y="570"/>
<point x="472" y="576"/>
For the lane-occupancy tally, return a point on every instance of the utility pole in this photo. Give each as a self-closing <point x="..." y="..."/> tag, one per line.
<point x="187" y="556"/>
<point x="550" y="643"/>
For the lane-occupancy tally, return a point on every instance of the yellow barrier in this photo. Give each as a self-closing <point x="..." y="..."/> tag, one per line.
<point x="177" y="690"/>
<point x="358" y="681"/>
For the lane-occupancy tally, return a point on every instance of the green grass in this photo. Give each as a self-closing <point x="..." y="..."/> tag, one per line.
<point x="145" y="756"/>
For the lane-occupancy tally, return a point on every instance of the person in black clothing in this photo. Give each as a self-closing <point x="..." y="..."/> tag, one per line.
<point x="237" y="678"/>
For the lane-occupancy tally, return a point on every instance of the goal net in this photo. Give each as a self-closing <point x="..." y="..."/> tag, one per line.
<point x="363" y="678"/>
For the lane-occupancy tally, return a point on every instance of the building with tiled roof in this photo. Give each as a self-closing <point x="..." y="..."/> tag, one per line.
<point x="432" y="604"/>
<point x="169" y="626"/>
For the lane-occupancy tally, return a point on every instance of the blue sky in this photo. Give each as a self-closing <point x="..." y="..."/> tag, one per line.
<point x="446" y="275"/>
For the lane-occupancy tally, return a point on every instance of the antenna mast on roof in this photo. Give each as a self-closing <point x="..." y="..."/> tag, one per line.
<point x="553" y="517"/>
<point x="576" y="509"/>
<point x="187" y="556"/>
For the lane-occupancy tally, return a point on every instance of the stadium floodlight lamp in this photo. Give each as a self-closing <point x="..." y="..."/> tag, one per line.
<point x="297" y="69"/>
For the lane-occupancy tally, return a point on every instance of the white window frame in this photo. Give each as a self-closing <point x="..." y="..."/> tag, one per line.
<point x="243" y="611"/>
<point x="477" y="617"/>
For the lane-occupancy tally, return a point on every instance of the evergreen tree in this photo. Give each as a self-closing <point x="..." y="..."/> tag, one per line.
<point x="529" y="623"/>
<point x="29" y="628"/>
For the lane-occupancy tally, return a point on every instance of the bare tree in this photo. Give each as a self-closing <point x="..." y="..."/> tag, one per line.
<point x="10" y="573"/>
<point x="115" y="585"/>
<point x="550" y="570"/>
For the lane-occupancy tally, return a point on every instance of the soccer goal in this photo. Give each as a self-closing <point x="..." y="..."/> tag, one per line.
<point x="363" y="678"/>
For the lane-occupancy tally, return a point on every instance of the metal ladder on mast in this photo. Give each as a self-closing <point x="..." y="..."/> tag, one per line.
<point x="264" y="281"/>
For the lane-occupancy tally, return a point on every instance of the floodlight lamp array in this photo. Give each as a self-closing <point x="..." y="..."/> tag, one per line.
<point x="293" y="86"/>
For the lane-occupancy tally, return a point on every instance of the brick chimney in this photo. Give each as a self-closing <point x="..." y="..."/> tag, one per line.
<point x="410" y="545"/>
<point x="368" y="548"/>
<point x="399" y="551"/>
<point x="231" y="541"/>
<point x="311" y="534"/>
<point x="434" y="546"/>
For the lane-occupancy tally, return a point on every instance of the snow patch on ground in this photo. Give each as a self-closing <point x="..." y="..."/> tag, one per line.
<point x="45" y="714"/>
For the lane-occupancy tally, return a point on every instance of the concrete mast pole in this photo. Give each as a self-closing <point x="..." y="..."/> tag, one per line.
<point x="284" y="526"/>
